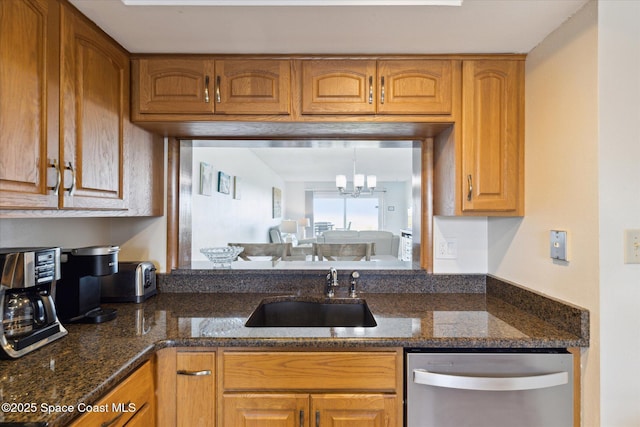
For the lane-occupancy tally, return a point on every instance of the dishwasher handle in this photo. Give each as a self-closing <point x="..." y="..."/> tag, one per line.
<point x="465" y="382"/>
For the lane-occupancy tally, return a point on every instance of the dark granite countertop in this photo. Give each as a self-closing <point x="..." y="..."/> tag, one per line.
<point x="91" y="359"/>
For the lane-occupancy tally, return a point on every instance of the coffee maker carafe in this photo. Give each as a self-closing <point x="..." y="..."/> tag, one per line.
<point x="78" y="293"/>
<point x="27" y="309"/>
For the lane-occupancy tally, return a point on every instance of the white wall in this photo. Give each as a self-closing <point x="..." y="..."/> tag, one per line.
<point x="471" y="237"/>
<point x="219" y="219"/>
<point x="561" y="183"/>
<point x="619" y="190"/>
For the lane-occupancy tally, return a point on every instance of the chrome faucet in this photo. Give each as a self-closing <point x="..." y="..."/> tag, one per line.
<point x="332" y="282"/>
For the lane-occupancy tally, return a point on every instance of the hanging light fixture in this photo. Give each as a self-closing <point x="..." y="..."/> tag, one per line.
<point x="358" y="182"/>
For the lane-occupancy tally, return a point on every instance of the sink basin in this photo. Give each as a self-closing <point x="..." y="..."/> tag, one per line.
<point x="292" y="313"/>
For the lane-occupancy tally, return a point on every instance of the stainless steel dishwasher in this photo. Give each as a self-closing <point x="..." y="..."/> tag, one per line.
<point x="489" y="389"/>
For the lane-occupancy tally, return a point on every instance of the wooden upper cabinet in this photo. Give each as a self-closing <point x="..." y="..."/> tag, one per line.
<point x="377" y="87"/>
<point x="28" y="93"/>
<point x="94" y="101"/>
<point x="253" y="86"/>
<point x="173" y="86"/>
<point x="492" y="136"/>
<point x="184" y="86"/>
<point x="415" y="87"/>
<point x="338" y="87"/>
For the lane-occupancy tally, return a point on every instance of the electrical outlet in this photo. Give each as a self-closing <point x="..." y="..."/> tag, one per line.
<point x="447" y="248"/>
<point x="632" y="247"/>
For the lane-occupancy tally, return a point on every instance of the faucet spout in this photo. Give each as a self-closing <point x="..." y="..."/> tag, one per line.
<point x="332" y="281"/>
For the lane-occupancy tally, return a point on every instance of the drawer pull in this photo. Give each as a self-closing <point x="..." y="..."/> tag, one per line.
<point x="113" y="420"/>
<point x="382" y="90"/>
<point x="470" y="187"/>
<point x="195" y="373"/>
<point x="317" y="418"/>
<point x="370" y="89"/>
<point x="533" y="382"/>
<point x="301" y="422"/>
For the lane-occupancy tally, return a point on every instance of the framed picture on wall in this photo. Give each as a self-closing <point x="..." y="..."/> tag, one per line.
<point x="277" y="202"/>
<point x="224" y="183"/>
<point x="206" y="179"/>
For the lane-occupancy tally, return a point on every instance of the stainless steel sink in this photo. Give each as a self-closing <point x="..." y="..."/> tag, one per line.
<point x="299" y="312"/>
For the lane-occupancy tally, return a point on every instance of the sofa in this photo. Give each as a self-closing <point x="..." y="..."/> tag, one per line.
<point x="386" y="243"/>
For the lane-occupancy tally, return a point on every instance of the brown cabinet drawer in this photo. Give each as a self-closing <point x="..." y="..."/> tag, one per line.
<point x="286" y="370"/>
<point x="122" y="403"/>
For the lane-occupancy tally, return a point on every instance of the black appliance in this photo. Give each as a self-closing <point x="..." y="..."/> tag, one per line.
<point x="78" y="292"/>
<point x="27" y="309"/>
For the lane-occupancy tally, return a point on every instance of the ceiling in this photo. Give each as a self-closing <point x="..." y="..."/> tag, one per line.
<point x="321" y="161"/>
<point x="478" y="26"/>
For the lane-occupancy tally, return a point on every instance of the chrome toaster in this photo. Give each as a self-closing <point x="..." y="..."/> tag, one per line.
<point x="135" y="281"/>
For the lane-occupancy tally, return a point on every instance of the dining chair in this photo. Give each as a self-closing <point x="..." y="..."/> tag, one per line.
<point x="274" y="250"/>
<point x="343" y="251"/>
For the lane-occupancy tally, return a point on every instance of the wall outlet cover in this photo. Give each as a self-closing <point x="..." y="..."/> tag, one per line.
<point x="632" y="246"/>
<point x="558" y="245"/>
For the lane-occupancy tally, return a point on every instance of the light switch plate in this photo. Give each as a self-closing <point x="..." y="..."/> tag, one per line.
<point x="447" y="248"/>
<point x="632" y="246"/>
<point x="558" y="245"/>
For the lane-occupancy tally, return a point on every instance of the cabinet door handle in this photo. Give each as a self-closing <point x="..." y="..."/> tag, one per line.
<point x="370" y="89"/>
<point x="382" y="90"/>
<point x="218" y="89"/>
<point x="72" y="188"/>
<point x="54" y="164"/>
<point x="317" y="418"/>
<point x="206" y="89"/>
<point x="301" y="420"/>
<point x="194" y="373"/>
<point x="463" y="382"/>
<point x="470" y="187"/>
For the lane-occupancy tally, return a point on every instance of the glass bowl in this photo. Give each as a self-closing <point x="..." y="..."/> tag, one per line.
<point x="222" y="256"/>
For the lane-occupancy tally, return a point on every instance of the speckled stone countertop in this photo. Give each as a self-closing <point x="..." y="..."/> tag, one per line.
<point x="92" y="359"/>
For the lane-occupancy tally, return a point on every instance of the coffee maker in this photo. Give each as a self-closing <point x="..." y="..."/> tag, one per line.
<point x="78" y="293"/>
<point x="27" y="309"/>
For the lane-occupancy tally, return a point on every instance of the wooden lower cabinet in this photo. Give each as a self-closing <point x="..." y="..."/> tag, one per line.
<point x="274" y="410"/>
<point x="255" y="387"/>
<point x="131" y="403"/>
<point x="195" y="389"/>
<point x="310" y="410"/>
<point x="310" y="388"/>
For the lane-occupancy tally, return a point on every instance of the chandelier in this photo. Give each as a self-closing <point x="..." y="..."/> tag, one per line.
<point x="358" y="182"/>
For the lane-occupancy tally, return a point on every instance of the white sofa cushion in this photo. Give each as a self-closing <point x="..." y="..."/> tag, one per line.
<point x="386" y="243"/>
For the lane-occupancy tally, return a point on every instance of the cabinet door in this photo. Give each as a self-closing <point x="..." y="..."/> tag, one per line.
<point x="195" y="389"/>
<point x="253" y="87"/>
<point x="28" y="95"/>
<point x="273" y="410"/>
<point x="338" y="87"/>
<point x="414" y="87"/>
<point x="174" y="86"/>
<point x="354" y="410"/>
<point x="492" y="139"/>
<point x="94" y="91"/>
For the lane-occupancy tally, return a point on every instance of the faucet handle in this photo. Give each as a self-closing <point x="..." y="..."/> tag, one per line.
<point x="352" y="288"/>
